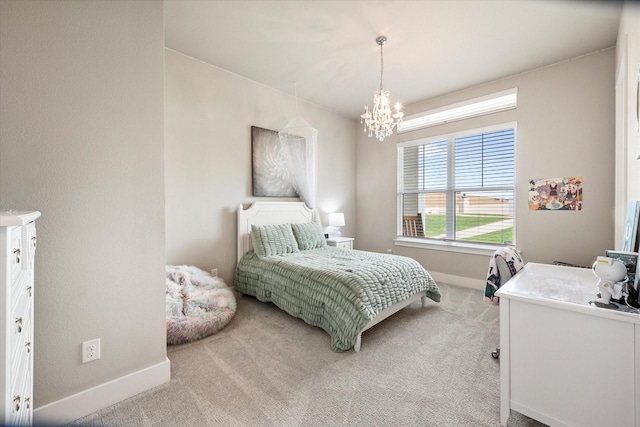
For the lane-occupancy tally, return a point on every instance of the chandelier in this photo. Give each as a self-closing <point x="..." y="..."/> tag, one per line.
<point x="379" y="120"/>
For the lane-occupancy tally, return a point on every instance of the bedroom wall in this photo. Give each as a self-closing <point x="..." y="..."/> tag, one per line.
<point x="208" y="117"/>
<point x="628" y="71"/>
<point x="81" y="140"/>
<point x="565" y="127"/>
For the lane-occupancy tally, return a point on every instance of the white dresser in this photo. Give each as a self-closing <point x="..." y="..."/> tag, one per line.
<point x="17" y="253"/>
<point x="563" y="361"/>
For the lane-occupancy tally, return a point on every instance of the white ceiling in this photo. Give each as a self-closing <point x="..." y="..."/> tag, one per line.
<point x="326" y="50"/>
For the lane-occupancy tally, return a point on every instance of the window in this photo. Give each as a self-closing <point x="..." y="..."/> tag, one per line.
<point x="493" y="103"/>
<point x="459" y="187"/>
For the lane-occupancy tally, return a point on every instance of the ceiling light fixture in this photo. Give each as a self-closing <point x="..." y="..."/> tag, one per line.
<point x="380" y="121"/>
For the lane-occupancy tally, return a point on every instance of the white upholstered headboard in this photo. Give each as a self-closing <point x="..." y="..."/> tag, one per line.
<point x="268" y="213"/>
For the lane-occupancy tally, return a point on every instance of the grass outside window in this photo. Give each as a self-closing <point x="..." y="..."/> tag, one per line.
<point x="434" y="227"/>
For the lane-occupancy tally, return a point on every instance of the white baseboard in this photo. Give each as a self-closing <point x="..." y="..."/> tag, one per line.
<point x="91" y="400"/>
<point x="464" y="282"/>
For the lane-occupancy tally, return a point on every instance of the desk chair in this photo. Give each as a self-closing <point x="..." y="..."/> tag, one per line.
<point x="504" y="264"/>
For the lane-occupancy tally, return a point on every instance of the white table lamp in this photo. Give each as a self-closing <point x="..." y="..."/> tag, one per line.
<point x="336" y="220"/>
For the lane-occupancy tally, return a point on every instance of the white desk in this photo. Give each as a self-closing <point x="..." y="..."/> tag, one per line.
<point x="563" y="361"/>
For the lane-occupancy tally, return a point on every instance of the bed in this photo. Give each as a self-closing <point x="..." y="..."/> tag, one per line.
<point x="343" y="291"/>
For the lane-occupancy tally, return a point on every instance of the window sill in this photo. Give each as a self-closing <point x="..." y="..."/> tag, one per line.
<point x="448" y="246"/>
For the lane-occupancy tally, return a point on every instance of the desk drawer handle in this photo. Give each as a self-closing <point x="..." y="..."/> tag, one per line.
<point x="28" y="346"/>
<point x="29" y="290"/>
<point x="16" y="253"/>
<point x="19" y="323"/>
<point x="27" y="401"/>
<point x="16" y="401"/>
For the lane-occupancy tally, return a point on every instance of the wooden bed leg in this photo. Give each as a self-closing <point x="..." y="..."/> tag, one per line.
<point x="423" y="300"/>
<point x="356" y="347"/>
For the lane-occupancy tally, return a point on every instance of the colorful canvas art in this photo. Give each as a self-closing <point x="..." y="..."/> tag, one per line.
<point x="555" y="194"/>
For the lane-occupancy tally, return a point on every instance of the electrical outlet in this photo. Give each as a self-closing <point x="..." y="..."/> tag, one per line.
<point x="214" y="272"/>
<point x="91" y="350"/>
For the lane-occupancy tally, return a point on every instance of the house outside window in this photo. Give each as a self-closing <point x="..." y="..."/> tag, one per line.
<point x="458" y="187"/>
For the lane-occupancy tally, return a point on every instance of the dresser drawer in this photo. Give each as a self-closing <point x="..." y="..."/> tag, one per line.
<point x="20" y="399"/>
<point x="30" y="244"/>
<point x="22" y="297"/>
<point x="22" y="288"/>
<point x="15" y="254"/>
<point x="20" y="375"/>
<point x="21" y="337"/>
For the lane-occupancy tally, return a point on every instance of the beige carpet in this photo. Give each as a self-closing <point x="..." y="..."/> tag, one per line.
<point x="421" y="367"/>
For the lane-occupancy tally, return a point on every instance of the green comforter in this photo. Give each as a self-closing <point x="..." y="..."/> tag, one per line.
<point x="339" y="290"/>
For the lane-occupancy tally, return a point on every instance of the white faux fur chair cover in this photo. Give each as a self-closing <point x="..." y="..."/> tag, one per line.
<point x="198" y="304"/>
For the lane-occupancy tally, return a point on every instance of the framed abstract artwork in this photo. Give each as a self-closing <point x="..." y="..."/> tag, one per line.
<point x="272" y="176"/>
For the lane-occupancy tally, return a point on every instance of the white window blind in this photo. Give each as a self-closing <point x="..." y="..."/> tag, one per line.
<point x="459" y="187"/>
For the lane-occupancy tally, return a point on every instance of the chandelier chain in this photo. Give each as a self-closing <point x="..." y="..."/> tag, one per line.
<point x="381" y="65"/>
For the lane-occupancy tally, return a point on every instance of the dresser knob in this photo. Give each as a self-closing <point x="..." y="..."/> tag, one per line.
<point x="16" y="401"/>
<point x="19" y="323"/>
<point x="16" y="253"/>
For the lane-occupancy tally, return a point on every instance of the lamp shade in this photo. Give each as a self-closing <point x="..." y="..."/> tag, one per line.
<point x="336" y="219"/>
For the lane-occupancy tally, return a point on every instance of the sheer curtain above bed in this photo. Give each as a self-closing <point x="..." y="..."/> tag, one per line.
<point x="302" y="164"/>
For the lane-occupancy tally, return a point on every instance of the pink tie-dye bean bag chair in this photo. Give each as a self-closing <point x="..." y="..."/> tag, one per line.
<point x="198" y="304"/>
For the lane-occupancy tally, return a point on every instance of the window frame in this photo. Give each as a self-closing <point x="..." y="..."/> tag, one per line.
<point x="447" y="244"/>
<point x="493" y="103"/>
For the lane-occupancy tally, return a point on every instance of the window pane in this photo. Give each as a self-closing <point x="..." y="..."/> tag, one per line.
<point x="412" y="225"/>
<point x="435" y="213"/>
<point x="432" y="165"/>
<point x="485" y="160"/>
<point x="424" y="215"/>
<point x="409" y="177"/>
<point x="484" y="217"/>
<point x="424" y="167"/>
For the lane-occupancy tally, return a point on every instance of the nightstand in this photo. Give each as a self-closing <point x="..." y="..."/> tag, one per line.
<point x="341" y="242"/>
